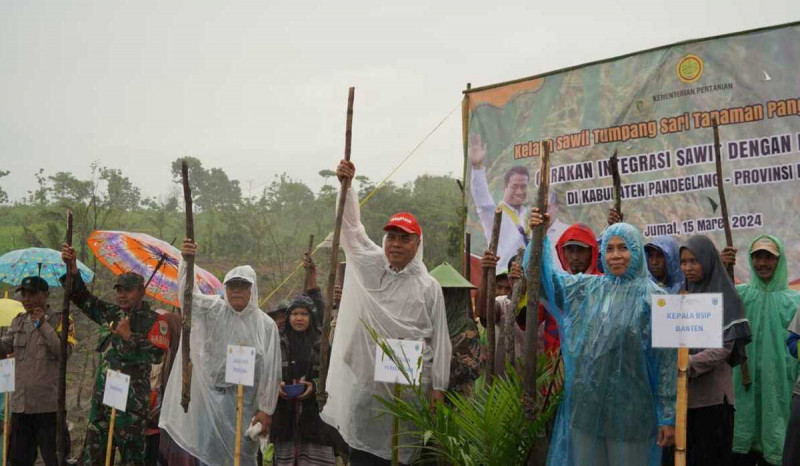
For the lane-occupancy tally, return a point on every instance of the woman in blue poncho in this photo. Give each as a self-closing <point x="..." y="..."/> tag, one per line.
<point x="618" y="405"/>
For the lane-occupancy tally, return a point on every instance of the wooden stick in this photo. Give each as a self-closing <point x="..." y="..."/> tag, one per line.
<point x="614" y="164"/>
<point x="7" y="427"/>
<point x="110" y="444"/>
<point x="532" y="272"/>
<point x="726" y="222"/>
<point x="322" y="394"/>
<point x="396" y="432"/>
<point x="237" y="452"/>
<point x="489" y="282"/>
<point x="511" y="314"/>
<point x="340" y="281"/>
<point x="186" y="311"/>
<point x="307" y="280"/>
<point x="681" y="408"/>
<point x="467" y="269"/>
<point x="62" y="449"/>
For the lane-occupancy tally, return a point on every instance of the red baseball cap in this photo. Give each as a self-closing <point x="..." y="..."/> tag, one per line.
<point x="404" y="221"/>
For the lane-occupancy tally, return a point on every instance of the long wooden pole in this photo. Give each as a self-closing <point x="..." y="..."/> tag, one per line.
<point x="466" y="270"/>
<point x="517" y="292"/>
<point x="307" y="279"/>
<point x="322" y="394"/>
<point x="614" y="165"/>
<point x="396" y="431"/>
<point x="726" y="222"/>
<point x="110" y="444"/>
<point x="61" y="416"/>
<point x="237" y="452"/>
<point x="681" y="408"/>
<point x="532" y="272"/>
<point x="186" y="311"/>
<point x="7" y="426"/>
<point x="490" y="281"/>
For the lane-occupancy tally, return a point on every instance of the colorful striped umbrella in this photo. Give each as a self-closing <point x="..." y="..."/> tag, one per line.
<point x="42" y="262"/>
<point x="125" y="252"/>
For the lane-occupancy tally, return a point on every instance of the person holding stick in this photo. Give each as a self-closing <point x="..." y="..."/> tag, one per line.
<point x="711" y="397"/>
<point x="34" y="339"/>
<point x="387" y="289"/>
<point x="208" y="430"/>
<point x="131" y="343"/>
<point x="618" y="405"/>
<point x="761" y="414"/>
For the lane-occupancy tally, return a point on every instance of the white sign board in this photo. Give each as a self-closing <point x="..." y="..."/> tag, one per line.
<point x="409" y="352"/>
<point x="687" y="321"/>
<point x="240" y="366"/>
<point x="7" y="375"/>
<point x="116" y="392"/>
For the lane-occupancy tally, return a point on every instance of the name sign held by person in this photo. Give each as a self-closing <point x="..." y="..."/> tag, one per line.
<point x="687" y="321"/>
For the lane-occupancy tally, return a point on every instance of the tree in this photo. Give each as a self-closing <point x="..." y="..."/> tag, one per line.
<point x="3" y="194"/>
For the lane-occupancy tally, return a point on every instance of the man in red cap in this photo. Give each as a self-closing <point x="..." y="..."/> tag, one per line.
<point x="389" y="291"/>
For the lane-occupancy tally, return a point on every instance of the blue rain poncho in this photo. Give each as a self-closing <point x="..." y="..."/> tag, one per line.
<point x="618" y="389"/>
<point x="672" y="255"/>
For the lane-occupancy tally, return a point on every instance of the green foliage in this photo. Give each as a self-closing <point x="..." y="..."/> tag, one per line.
<point x="3" y="194"/>
<point x="489" y="426"/>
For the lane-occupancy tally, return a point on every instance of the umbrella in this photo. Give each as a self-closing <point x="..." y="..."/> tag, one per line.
<point x="9" y="308"/>
<point x="125" y="252"/>
<point x="42" y="262"/>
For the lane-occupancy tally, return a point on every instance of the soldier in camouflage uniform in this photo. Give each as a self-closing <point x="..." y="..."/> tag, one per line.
<point x="132" y="339"/>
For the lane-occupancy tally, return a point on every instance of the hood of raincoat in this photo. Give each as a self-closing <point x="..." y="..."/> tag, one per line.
<point x="584" y="234"/>
<point x="208" y="430"/>
<point x="735" y="326"/>
<point x="669" y="247"/>
<point x="770" y="308"/>
<point x="617" y="386"/>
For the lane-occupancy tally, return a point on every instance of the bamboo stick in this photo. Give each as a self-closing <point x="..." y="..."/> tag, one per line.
<point x="681" y="407"/>
<point x="726" y="222"/>
<point x="62" y="448"/>
<point x="322" y="394"/>
<point x="307" y="280"/>
<point x="396" y="432"/>
<point x="6" y="427"/>
<point x="510" y="316"/>
<point x="489" y="283"/>
<point x="110" y="444"/>
<point x="532" y="272"/>
<point x="237" y="452"/>
<point x="186" y="311"/>
<point x="614" y="164"/>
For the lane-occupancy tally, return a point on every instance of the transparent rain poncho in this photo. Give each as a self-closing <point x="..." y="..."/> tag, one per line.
<point x="762" y="411"/>
<point x="401" y="305"/>
<point x="208" y="430"/>
<point x="672" y="256"/>
<point x="618" y="390"/>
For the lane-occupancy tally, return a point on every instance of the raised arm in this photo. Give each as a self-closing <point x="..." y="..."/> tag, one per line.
<point x="354" y="238"/>
<point x="201" y="303"/>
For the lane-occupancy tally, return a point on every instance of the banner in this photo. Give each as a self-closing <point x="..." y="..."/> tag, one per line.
<point x="654" y="108"/>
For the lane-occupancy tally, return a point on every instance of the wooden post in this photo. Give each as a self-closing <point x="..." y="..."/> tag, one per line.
<point x="6" y="427"/>
<point x="322" y="394"/>
<point x="186" y="311"/>
<point x="110" y="444"/>
<point x="510" y="316"/>
<point x="726" y="222"/>
<point x="532" y="272"/>
<point x="237" y="453"/>
<point x="61" y="417"/>
<point x="490" y="283"/>
<point x="614" y="163"/>
<point x="396" y="432"/>
<point x="307" y="279"/>
<point x="681" y="407"/>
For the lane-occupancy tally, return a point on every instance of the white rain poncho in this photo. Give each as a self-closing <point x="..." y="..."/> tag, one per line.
<point x="207" y="431"/>
<point x="402" y="305"/>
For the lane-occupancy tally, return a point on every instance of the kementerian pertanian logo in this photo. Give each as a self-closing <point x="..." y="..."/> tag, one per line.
<point x="689" y="68"/>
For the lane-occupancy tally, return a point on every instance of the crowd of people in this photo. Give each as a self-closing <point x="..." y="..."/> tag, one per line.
<point x="618" y="405"/>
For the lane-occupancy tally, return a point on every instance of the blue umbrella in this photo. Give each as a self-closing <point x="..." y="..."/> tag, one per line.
<point x="42" y="262"/>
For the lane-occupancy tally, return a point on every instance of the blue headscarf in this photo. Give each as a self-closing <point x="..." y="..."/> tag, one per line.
<point x="671" y="251"/>
<point x="617" y="387"/>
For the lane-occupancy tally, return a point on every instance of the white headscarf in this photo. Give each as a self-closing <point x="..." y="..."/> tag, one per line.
<point x="207" y="431"/>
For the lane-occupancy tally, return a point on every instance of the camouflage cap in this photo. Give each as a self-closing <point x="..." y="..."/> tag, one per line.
<point x="129" y="280"/>
<point x="33" y="283"/>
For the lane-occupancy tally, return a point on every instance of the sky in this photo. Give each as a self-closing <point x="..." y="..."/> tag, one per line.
<point x="260" y="88"/>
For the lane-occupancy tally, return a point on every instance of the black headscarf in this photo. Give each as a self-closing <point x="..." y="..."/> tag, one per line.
<point x="735" y="326"/>
<point x="301" y="344"/>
